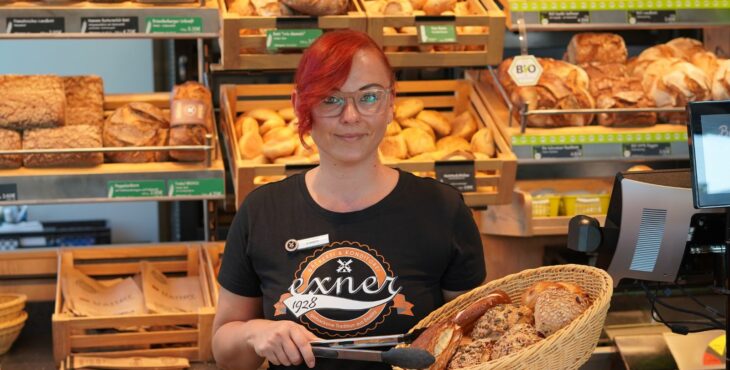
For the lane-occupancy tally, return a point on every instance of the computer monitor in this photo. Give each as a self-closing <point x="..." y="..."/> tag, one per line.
<point x="709" y="144"/>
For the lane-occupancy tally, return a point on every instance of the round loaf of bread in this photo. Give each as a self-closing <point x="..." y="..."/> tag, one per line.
<point x="136" y="124"/>
<point x="596" y="47"/>
<point x="721" y="81"/>
<point x="472" y="354"/>
<point x="518" y="337"/>
<point x="499" y="319"/>
<point x="556" y="308"/>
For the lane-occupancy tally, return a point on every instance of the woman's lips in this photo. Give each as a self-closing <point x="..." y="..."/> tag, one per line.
<point x="350" y="137"/>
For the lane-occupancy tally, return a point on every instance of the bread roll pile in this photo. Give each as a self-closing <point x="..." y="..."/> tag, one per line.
<point x="426" y="7"/>
<point x="494" y="327"/>
<point x="269" y="136"/>
<point x="598" y="74"/>
<point x="275" y="8"/>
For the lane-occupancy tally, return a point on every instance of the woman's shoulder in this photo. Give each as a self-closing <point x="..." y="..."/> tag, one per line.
<point x="431" y="188"/>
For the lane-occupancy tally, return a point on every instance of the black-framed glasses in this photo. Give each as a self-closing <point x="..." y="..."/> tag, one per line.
<point x="367" y="102"/>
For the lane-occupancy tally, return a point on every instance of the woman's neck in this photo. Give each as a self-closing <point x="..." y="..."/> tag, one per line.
<point x="347" y="188"/>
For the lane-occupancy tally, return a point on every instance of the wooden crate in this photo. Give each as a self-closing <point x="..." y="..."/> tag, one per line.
<point x="456" y="96"/>
<point x="515" y="218"/>
<point x="183" y="334"/>
<point x="236" y="47"/>
<point x="492" y="40"/>
<point x="29" y="271"/>
<point x="212" y="254"/>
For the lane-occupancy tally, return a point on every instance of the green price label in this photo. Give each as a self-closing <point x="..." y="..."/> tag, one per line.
<point x="617" y="138"/>
<point x="136" y="189"/>
<point x="437" y="34"/>
<point x="291" y="39"/>
<point x="601" y="5"/>
<point x="174" y="25"/>
<point x="195" y="187"/>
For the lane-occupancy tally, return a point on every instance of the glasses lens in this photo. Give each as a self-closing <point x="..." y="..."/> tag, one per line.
<point x="367" y="102"/>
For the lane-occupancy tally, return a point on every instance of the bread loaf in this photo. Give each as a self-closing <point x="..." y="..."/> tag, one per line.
<point x="318" y="7"/>
<point x="472" y="354"/>
<point x="483" y="142"/>
<point x="452" y="143"/>
<point x="28" y="102"/>
<point x="638" y="66"/>
<point x="706" y="61"/>
<point x="10" y="140"/>
<point x="675" y="85"/>
<point x="417" y="123"/>
<point x="436" y="7"/>
<point x="518" y="337"/>
<point x="79" y="136"/>
<point x="467" y="317"/>
<point x="686" y="46"/>
<point x="500" y="319"/>
<point x="394" y="147"/>
<point x="463" y="126"/>
<point x="418" y="141"/>
<point x="721" y="81"/>
<point x="597" y="47"/>
<point x="191" y="119"/>
<point x="84" y="100"/>
<point x="392" y="129"/>
<point x="136" y="124"/>
<point x="441" y="340"/>
<point x="408" y="108"/>
<point x="625" y="93"/>
<point x="529" y="296"/>
<point x="436" y="120"/>
<point x="556" y="308"/>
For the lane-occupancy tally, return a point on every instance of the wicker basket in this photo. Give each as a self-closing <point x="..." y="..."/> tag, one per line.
<point x="569" y="347"/>
<point x="9" y="331"/>
<point x="11" y="305"/>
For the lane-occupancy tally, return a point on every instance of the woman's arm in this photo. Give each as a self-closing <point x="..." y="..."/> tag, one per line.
<point x="242" y="339"/>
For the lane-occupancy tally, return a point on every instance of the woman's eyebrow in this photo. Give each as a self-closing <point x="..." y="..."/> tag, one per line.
<point x="368" y="86"/>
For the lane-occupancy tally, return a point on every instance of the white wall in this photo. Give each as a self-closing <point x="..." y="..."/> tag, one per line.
<point x="126" y="67"/>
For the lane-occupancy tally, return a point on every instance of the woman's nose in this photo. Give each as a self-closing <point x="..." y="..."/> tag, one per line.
<point x="349" y="111"/>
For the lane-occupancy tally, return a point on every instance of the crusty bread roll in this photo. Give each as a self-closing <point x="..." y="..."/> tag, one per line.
<point x="263" y="114"/>
<point x="603" y="76"/>
<point x="318" y="7"/>
<point x="287" y="114"/>
<point x="441" y="340"/>
<point x="675" y="85"/>
<point x="529" y="296"/>
<point x="499" y="319"/>
<point x="638" y="66"/>
<point x="472" y="354"/>
<point x="417" y="4"/>
<point x="250" y="144"/>
<point x="245" y="124"/>
<point x="243" y="8"/>
<point x="572" y="75"/>
<point x="418" y="141"/>
<point x="556" y="308"/>
<point x="408" y="108"/>
<point x="393" y="128"/>
<point x="417" y="123"/>
<point x="78" y="136"/>
<point x="706" y="61"/>
<point x="483" y="142"/>
<point x="436" y="120"/>
<point x="279" y="148"/>
<point x="136" y="124"/>
<point x="396" y="7"/>
<point x="10" y="140"/>
<point x="191" y="119"/>
<point x="279" y="134"/>
<point x="468" y="317"/>
<point x="596" y="47"/>
<point x="394" y="147"/>
<point x="518" y="337"/>
<point x="436" y="7"/>
<point x="464" y="125"/>
<point x="721" y="81"/>
<point x="270" y="124"/>
<point x="686" y="46"/>
<point x="452" y="143"/>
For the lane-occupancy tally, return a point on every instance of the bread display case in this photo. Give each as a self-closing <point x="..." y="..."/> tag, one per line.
<point x="494" y="175"/>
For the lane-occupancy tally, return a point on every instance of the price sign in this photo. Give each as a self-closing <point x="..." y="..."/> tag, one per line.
<point x="109" y="24"/>
<point x="174" y="25"/>
<point x="8" y="192"/>
<point x="136" y="189"/>
<point x="195" y="187"/>
<point x="647" y="149"/>
<point x="36" y="25"/>
<point x="437" y="34"/>
<point x="652" y="16"/>
<point x="573" y="17"/>
<point x="291" y="39"/>
<point x="525" y="70"/>
<point x="459" y="174"/>
<point x="557" y="151"/>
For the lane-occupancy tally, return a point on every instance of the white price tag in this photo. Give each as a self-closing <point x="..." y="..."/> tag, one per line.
<point x="525" y="70"/>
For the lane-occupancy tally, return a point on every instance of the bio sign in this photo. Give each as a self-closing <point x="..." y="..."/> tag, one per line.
<point x="525" y="70"/>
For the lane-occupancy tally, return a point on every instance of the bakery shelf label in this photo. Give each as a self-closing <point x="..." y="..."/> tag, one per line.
<point x="109" y="24"/>
<point x="652" y="16"/>
<point x="174" y="25"/>
<point x="195" y="187"/>
<point x="36" y="25"/>
<point x="525" y="70"/>
<point x="623" y="5"/>
<point x="436" y="34"/>
<point x="459" y="174"/>
<point x="603" y="138"/>
<point x="647" y="149"/>
<point x="291" y="39"/>
<point x="557" y="151"/>
<point x="565" y="17"/>
<point x="8" y="192"/>
<point x="136" y="189"/>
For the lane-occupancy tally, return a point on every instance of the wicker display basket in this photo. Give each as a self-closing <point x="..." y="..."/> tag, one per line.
<point x="11" y="306"/>
<point x="569" y="347"/>
<point x="9" y="331"/>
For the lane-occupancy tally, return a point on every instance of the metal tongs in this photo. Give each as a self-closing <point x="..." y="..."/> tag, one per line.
<point x="349" y="349"/>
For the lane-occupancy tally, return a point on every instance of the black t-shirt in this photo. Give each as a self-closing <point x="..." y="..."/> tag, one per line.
<point x="376" y="271"/>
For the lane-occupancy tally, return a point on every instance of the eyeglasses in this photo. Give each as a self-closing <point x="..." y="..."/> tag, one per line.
<point x="367" y="102"/>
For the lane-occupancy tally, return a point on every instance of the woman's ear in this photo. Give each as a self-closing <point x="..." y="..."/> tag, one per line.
<point x="294" y="99"/>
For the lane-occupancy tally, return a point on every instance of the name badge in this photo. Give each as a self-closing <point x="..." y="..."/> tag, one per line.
<point x="308" y="243"/>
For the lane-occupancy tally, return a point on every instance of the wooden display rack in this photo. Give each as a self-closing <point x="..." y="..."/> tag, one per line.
<point x="492" y="40"/>
<point x="588" y="137"/>
<point x="187" y="334"/>
<point x="31" y="272"/>
<point x="213" y="253"/>
<point x="494" y="186"/>
<point x="234" y="45"/>
<point x="515" y="219"/>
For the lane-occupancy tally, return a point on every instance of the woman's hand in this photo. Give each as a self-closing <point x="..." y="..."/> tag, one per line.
<point x="283" y="343"/>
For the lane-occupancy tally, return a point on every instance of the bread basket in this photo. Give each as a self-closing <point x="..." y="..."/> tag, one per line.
<point x="569" y="347"/>
<point x="11" y="306"/>
<point x="9" y="331"/>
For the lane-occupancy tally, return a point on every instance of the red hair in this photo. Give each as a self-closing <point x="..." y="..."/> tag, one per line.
<point x="325" y="66"/>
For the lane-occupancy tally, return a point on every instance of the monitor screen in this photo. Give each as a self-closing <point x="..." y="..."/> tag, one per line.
<point x="709" y="147"/>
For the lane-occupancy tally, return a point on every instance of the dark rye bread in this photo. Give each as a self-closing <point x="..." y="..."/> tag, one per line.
<point x="10" y="140"/>
<point x="191" y="118"/>
<point x="136" y="124"/>
<point x="84" y="100"/>
<point x="79" y="136"/>
<point x="28" y="102"/>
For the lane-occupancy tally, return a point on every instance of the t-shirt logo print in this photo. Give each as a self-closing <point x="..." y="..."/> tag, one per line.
<point x="343" y="289"/>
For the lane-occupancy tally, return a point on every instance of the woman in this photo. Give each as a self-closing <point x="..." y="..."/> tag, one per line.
<point x="350" y="248"/>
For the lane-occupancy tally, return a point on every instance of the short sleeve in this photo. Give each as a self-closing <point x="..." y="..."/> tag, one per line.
<point x="237" y="274"/>
<point x="466" y="269"/>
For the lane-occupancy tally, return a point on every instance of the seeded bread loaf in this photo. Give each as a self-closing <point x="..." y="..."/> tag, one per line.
<point x="79" y="136"/>
<point x="28" y="102"/>
<point x="10" y="140"/>
<point x="136" y="124"/>
<point x="84" y="100"/>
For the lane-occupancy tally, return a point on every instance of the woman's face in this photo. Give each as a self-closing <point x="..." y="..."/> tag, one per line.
<point x="353" y="137"/>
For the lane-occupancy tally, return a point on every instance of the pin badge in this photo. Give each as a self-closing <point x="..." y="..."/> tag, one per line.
<point x="292" y="245"/>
